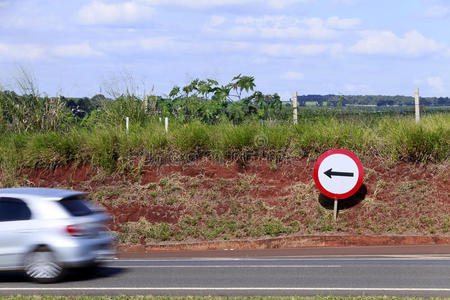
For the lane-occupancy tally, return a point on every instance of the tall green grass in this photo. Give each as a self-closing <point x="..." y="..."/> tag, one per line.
<point x="393" y="138"/>
<point x="429" y="141"/>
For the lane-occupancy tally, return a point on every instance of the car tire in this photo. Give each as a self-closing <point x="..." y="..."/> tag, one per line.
<point x="41" y="266"/>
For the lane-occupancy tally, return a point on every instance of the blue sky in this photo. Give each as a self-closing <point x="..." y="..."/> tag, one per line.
<point x="85" y="47"/>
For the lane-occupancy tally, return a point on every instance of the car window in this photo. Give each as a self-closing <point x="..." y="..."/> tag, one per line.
<point x="76" y="207"/>
<point x="13" y="210"/>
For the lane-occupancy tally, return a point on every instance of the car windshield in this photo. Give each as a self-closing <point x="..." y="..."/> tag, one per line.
<point x="76" y="207"/>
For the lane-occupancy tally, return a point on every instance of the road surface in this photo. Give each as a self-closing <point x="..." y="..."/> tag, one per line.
<point x="396" y="275"/>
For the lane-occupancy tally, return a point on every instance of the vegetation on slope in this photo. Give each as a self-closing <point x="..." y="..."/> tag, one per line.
<point x="112" y="148"/>
<point x="40" y="133"/>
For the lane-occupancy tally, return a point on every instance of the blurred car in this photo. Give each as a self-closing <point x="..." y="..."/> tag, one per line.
<point x="44" y="231"/>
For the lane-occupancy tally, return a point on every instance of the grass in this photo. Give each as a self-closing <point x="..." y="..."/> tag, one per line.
<point x="391" y="138"/>
<point x="135" y="232"/>
<point x="192" y="207"/>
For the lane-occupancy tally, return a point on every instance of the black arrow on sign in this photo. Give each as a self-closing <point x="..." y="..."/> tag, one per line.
<point x="330" y="173"/>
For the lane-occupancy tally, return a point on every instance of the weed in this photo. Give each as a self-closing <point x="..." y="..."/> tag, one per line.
<point x="274" y="227"/>
<point x="142" y="230"/>
<point x="446" y="224"/>
<point x="170" y="200"/>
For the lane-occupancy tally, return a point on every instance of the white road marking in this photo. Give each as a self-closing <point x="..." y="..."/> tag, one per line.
<point x="224" y="289"/>
<point x="359" y="258"/>
<point x="204" y="267"/>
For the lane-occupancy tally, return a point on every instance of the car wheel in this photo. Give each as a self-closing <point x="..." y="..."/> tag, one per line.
<point x="41" y="266"/>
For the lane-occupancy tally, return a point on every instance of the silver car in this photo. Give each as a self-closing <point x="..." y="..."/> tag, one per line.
<point x="45" y="231"/>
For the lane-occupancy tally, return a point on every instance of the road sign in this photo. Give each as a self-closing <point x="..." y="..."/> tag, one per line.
<point x="338" y="174"/>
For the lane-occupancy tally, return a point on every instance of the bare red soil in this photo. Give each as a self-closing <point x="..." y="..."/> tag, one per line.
<point x="402" y="200"/>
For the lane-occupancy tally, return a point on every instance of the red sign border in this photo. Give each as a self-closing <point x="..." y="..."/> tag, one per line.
<point x="360" y="173"/>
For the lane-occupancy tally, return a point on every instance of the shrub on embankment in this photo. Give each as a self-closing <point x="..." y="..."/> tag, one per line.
<point x="112" y="148"/>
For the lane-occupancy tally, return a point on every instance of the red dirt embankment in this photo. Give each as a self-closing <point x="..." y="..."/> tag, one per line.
<point x="262" y="204"/>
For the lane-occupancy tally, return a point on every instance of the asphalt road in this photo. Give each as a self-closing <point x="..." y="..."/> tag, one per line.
<point x="416" y="275"/>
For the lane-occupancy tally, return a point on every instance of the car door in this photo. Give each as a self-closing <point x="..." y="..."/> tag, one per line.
<point x="15" y="231"/>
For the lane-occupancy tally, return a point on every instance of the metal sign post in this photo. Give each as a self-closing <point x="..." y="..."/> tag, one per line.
<point x="335" y="209"/>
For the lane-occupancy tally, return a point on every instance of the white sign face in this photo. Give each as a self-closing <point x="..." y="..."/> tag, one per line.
<point x="338" y="173"/>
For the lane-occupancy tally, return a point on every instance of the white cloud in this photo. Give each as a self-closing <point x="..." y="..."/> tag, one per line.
<point x="280" y="4"/>
<point x="281" y="27"/>
<point x="21" y="51"/>
<point x="234" y="46"/>
<point x="344" y="23"/>
<point x="98" y="12"/>
<point x="196" y="3"/>
<point x="237" y="31"/>
<point x="31" y="22"/>
<point x="36" y="51"/>
<point x="276" y="4"/>
<point x="290" y="50"/>
<point x="387" y="43"/>
<point x="216" y="20"/>
<point x="293" y="76"/>
<point x="436" y="83"/>
<point x="150" y="44"/>
<point x="299" y="50"/>
<point x="346" y="2"/>
<point x="438" y="11"/>
<point x="171" y="45"/>
<point x="74" y="50"/>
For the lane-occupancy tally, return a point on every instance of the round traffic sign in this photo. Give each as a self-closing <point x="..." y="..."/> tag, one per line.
<point x="338" y="173"/>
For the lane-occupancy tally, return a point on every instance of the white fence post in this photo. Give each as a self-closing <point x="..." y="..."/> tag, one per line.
<point x="417" y="104"/>
<point x="145" y="103"/>
<point x="166" y="124"/>
<point x="127" y="123"/>
<point x="295" y="104"/>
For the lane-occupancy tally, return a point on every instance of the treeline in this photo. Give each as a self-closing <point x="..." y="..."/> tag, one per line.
<point x="81" y="106"/>
<point x="200" y="100"/>
<point x="373" y="100"/>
